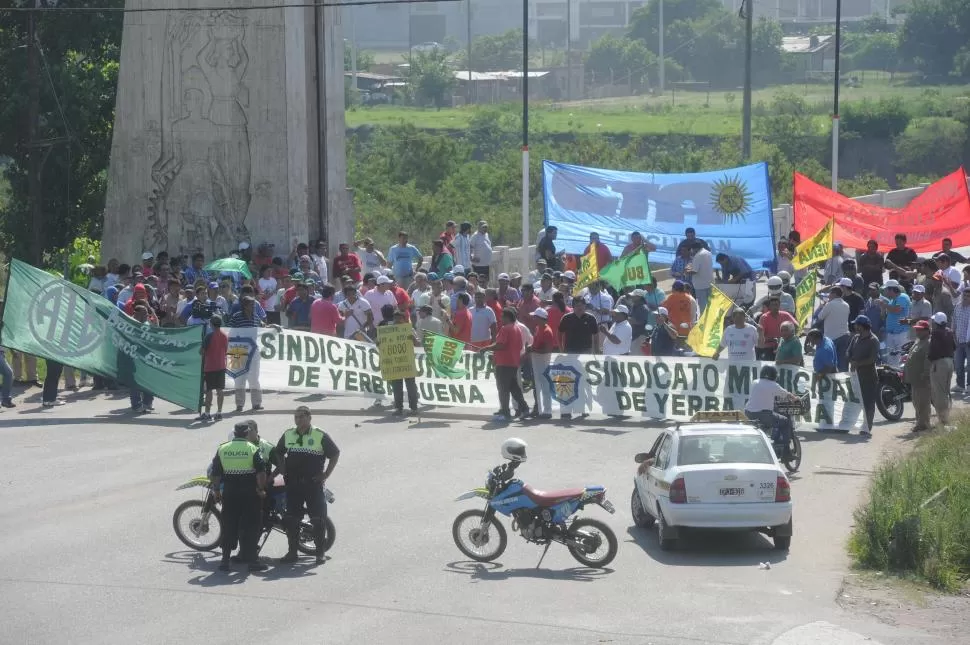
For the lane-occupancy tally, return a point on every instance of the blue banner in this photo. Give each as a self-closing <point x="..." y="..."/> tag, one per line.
<point x="729" y="209"/>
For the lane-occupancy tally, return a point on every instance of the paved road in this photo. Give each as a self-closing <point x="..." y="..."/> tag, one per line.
<point x="88" y="555"/>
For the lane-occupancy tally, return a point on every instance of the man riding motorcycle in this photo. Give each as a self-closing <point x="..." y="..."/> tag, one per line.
<point x="761" y="405"/>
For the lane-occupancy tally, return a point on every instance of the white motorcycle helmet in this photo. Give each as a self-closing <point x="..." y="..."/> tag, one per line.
<point x="774" y="283"/>
<point x="514" y="450"/>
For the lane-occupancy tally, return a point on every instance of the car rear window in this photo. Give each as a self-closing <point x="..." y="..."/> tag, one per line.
<point x="722" y="449"/>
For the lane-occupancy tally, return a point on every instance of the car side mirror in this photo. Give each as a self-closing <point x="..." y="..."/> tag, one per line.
<point x="642" y="457"/>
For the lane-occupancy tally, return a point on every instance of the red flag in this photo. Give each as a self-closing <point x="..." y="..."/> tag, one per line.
<point x="942" y="210"/>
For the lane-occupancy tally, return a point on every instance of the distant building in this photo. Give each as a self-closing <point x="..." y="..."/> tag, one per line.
<point x="811" y="53"/>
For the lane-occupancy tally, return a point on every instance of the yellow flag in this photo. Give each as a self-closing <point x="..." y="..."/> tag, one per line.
<point x="805" y="299"/>
<point x="589" y="271"/>
<point x="705" y="337"/>
<point x="815" y="249"/>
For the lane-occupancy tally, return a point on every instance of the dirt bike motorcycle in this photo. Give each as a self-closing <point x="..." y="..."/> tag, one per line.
<point x="198" y="522"/>
<point x="893" y="392"/>
<point x="540" y="517"/>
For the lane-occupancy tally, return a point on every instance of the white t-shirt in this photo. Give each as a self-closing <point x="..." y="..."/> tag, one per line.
<point x="370" y="259"/>
<point x="703" y="265"/>
<point x="740" y="343"/>
<point x="762" y="397"/>
<point x="835" y="318"/>
<point x="355" y="315"/>
<point x="601" y="300"/>
<point x="953" y="275"/>
<point x="526" y="336"/>
<point x="624" y="332"/>
<point x="378" y="300"/>
<point x="268" y="300"/>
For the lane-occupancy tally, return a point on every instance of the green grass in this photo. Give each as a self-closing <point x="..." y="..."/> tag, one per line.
<point x="677" y="111"/>
<point x="895" y="532"/>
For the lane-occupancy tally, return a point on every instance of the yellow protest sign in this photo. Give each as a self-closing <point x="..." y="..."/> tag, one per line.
<point x="805" y="299"/>
<point x="395" y="345"/>
<point x="815" y="249"/>
<point x="705" y="337"/>
<point x="589" y="271"/>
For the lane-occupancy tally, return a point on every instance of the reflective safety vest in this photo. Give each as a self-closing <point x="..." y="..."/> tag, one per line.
<point x="236" y="457"/>
<point x="310" y="443"/>
<point x="264" y="449"/>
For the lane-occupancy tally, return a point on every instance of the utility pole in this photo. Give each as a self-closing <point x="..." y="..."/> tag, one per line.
<point x="34" y="164"/>
<point x="835" y="108"/>
<point x="525" y="134"/>
<point x="748" y="9"/>
<point x="569" y="50"/>
<point x="468" y="90"/>
<point x="661" y="47"/>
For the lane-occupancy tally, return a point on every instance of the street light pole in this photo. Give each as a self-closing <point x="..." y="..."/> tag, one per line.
<point x="525" y="135"/>
<point x="569" y="50"/>
<point x="468" y="91"/>
<point x="835" y="94"/>
<point x="748" y="8"/>
<point x="661" y="47"/>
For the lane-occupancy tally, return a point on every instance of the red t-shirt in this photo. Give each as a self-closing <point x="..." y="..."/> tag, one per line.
<point x="603" y="255"/>
<point x="543" y="340"/>
<point x="216" y="347"/>
<point x="771" y="324"/>
<point x="525" y="309"/>
<point x="324" y="317"/>
<point x="462" y="319"/>
<point x="497" y="308"/>
<point x="288" y="297"/>
<point x="403" y="302"/>
<point x="554" y="317"/>
<point x="348" y="264"/>
<point x="510" y="338"/>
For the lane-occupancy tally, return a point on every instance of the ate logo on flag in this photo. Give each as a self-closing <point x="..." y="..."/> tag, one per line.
<point x="63" y="322"/>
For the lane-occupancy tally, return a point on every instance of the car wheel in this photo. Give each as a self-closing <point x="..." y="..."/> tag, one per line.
<point x="641" y="517"/>
<point x="664" y="534"/>
<point x="781" y="536"/>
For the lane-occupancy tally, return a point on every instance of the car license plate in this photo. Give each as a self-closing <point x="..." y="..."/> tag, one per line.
<point x="732" y="492"/>
<point x="608" y="506"/>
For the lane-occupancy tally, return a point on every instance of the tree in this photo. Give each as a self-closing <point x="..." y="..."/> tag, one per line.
<point x="932" y="145"/>
<point x="430" y="77"/>
<point x="933" y="35"/>
<point x="495" y="53"/>
<point x="871" y="51"/>
<point x="620" y="60"/>
<point x="365" y="59"/>
<point x="78" y="81"/>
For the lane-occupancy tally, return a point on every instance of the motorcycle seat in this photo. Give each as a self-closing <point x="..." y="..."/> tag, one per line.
<point x="551" y="497"/>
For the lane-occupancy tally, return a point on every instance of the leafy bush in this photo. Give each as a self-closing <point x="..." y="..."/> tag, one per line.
<point x="932" y="145"/>
<point x="898" y="529"/>
<point x="883" y="119"/>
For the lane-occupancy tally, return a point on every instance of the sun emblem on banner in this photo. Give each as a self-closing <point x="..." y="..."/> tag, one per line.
<point x="563" y="382"/>
<point x="239" y="356"/>
<point x="731" y="198"/>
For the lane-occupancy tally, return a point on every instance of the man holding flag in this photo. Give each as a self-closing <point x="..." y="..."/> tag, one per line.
<point x="599" y="251"/>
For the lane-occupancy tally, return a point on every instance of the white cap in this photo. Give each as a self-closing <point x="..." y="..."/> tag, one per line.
<point x="939" y="318"/>
<point x="384" y="280"/>
<point x="541" y="313"/>
<point x="621" y="309"/>
<point x="504" y="276"/>
<point x="662" y="311"/>
<point x="891" y="284"/>
<point x="243" y="246"/>
<point x="457" y="269"/>
<point x="845" y="282"/>
<point x="147" y="255"/>
<point x="569" y="274"/>
<point x="918" y="288"/>
<point x="639" y="293"/>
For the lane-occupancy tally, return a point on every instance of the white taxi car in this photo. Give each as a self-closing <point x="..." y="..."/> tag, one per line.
<point x="712" y="476"/>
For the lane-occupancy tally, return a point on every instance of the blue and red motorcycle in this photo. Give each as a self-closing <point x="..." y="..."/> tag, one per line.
<point x="540" y="517"/>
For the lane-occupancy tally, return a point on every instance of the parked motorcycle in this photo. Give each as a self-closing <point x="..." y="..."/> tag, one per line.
<point x="540" y="517"/>
<point x="198" y="522"/>
<point x="893" y="392"/>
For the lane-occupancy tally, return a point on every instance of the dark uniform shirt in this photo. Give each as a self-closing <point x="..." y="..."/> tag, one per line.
<point x="299" y="464"/>
<point x="239" y="482"/>
<point x="856" y="304"/>
<point x="942" y="344"/>
<point x="865" y="350"/>
<point x="578" y="332"/>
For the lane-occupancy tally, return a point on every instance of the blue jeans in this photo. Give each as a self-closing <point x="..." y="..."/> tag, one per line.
<point x="702" y="296"/>
<point x="141" y="398"/>
<point x="841" y="351"/>
<point x="7" y="372"/>
<point x="773" y="420"/>
<point x="960" y="357"/>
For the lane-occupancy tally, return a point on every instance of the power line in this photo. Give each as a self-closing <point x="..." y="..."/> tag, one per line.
<point x="302" y="5"/>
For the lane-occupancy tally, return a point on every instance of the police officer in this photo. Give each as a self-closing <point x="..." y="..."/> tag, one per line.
<point x="239" y="465"/>
<point x="306" y="456"/>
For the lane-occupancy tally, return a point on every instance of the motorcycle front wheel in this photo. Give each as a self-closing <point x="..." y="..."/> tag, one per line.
<point x="196" y="529"/>
<point x="795" y="457"/>
<point x="479" y="540"/>
<point x="307" y="546"/>
<point x="597" y="543"/>
<point x="889" y="403"/>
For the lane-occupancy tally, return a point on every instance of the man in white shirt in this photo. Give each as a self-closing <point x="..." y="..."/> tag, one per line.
<point x="761" y="404"/>
<point x="950" y="275"/>
<point x="427" y="322"/>
<point x="357" y="313"/>
<point x="834" y="317"/>
<point x="618" y="338"/>
<point x="320" y="262"/>
<point x="600" y="303"/>
<point x="740" y="339"/>
<point x="702" y="269"/>
<point x="370" y="257"/>
<point x="382" y="295"/>
<point x="481" y="251"/>
<point x="463" y="245"/>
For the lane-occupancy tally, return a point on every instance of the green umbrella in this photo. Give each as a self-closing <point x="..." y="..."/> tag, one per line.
<point x="229" y="264"/>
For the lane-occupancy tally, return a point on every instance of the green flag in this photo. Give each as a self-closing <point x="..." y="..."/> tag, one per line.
<point x="442" y="353"/>
<point x="231" y="265"/>
<point x="55" y="319"/>
<point x="630" y="270"/>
